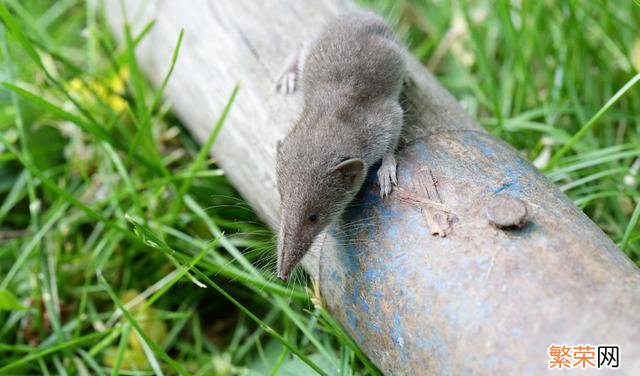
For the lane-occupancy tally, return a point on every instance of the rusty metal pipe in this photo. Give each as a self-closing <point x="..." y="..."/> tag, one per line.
<point x="482" y="299"/>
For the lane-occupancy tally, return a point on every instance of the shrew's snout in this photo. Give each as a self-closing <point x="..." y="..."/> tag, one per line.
<point x="288" y="258"/>
<point x="291" y="249"/>
<point x="283" y="275"/>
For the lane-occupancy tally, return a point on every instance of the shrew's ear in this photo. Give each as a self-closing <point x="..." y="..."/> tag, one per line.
<point x="349" y="172"/>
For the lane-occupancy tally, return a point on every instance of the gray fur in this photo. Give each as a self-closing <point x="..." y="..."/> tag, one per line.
<point x="351" y="119"/>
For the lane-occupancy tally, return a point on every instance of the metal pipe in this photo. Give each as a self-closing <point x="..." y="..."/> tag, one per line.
<point x="484" y="299"/>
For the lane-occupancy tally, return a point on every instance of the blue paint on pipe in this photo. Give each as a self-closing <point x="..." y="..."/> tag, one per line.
<point x="486" y="150"/>
<point x="372" y="274"/>
<point x="351" y="257"/>
<point x="336" y="278"/>
<point x="432" y="344"/>
<point x="506" y="187"/>
<point x="374" y="327"/>
<point x="353" y="323"/>
<point x="397" y="330"/>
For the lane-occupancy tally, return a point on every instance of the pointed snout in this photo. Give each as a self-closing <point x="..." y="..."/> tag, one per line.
<point x="291" y="248"/>
<point x="284" y="274"/>
<point x="288" y="259"/>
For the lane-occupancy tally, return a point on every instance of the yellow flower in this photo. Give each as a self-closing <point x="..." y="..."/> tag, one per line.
<point x="110" y="92"/>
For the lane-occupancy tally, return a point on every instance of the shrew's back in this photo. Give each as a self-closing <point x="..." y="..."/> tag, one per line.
<point x="357" y="55"/>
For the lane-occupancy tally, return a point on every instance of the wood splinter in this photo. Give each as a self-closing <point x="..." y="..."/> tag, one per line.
<point x="436" y="215"/>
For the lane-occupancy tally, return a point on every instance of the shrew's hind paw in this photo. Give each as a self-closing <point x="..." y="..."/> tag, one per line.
<point x="287" y="83"/>
<point x="288" y="78"/>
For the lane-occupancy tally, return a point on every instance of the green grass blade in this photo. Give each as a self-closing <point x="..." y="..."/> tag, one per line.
<point x="88" y="127"/>
<point x="55" y="214"/>
<point x="180" y="274"/>
<point x="633" y="222"/>
<point x="122" y="346"/>
<point x="592" y="122"/>
<point x="66" y="195"/>
<point x="156" y="349"/>
<point x="203" y="153"/>
<point x="346" y="339"/>
<point x="57" y="111"/>
<point x="17" y="32"/>
<point x="72" y="343"/>
<point x="264" y="326"/>
<point x="122" y="171"/>
<point x="145" y="122"/>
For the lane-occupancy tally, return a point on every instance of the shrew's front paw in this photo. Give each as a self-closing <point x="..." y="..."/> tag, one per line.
<point x="387" y="175"/>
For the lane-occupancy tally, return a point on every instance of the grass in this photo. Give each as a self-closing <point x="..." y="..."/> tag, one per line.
<point x="98" y="275"/>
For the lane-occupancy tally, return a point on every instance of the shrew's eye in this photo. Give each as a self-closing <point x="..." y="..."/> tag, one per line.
<point x="313" y="218"/>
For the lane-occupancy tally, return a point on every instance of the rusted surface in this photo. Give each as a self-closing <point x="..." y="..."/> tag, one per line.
<point x="480" y="300"/>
